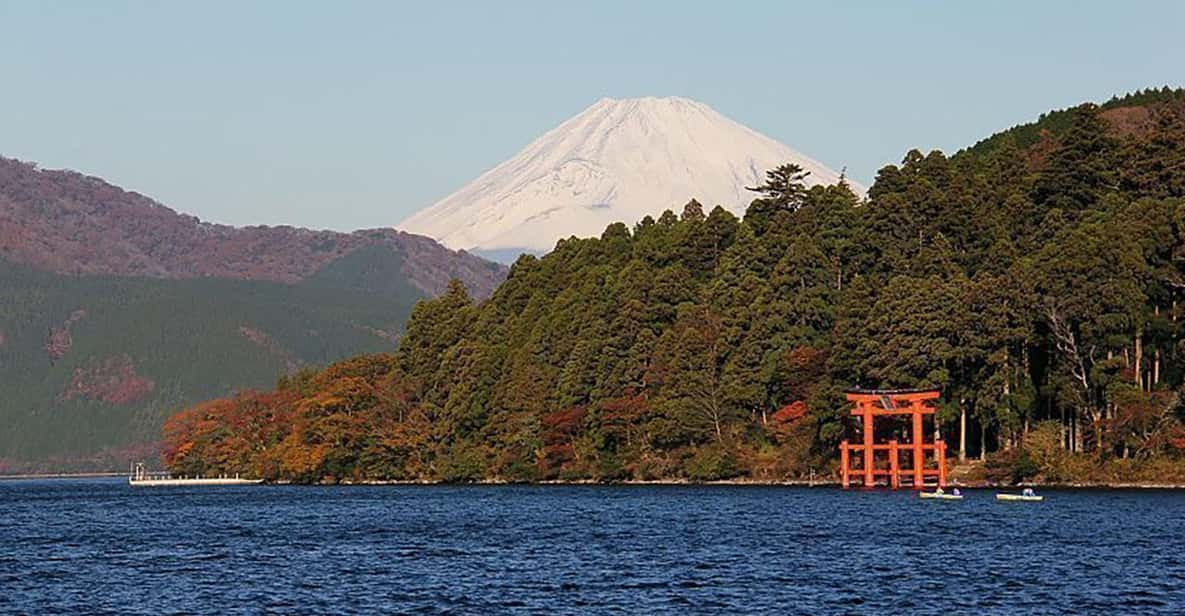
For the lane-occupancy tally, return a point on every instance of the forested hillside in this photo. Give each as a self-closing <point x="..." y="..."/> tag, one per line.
<point x="1125" y="116"/>
<point x="1038" y="284"/>
<point x="92" y="365"/>
<point x="116" y="310"/>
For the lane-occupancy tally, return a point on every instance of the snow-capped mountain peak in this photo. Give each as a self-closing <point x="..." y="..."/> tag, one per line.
<point x="617" y="161"/>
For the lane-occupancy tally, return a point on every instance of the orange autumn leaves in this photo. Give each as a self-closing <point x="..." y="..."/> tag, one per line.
<point x="335" y="424"/>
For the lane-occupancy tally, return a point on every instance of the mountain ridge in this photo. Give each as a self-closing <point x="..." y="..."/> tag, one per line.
<point x="70" y="223"/>
<point x="1118" y="112"/>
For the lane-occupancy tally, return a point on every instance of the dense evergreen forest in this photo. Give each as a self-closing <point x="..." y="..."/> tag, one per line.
<point x="103" y="360"/>
<point x="1036" y="278"/>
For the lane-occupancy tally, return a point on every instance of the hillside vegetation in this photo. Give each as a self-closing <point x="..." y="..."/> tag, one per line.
<point x="1124" y="116"/>
<point x="101" y="360"/>
<point x="1040" y="292"/>
<point x="116" y="310"/>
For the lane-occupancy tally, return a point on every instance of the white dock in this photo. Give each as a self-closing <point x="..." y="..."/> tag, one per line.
<point x="140" y="477"/>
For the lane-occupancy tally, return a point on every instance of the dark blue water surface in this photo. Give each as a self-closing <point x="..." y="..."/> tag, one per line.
<point x="99" y="546"/>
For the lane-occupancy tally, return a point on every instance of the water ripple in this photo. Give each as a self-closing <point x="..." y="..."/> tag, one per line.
<point x="101" y="547"/>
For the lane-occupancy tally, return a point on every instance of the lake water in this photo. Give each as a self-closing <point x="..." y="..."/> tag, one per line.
<point x="99" y="546"/>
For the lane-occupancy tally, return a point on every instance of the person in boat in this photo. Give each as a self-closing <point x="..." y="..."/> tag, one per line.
<point x="938" y="490"/>
<point x="956" y="492"/>
<point x="1027" y="492"/>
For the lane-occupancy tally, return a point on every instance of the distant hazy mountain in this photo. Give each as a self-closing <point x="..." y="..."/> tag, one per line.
<point x="618" y="160"/>
<point x="69" y="223"/>
<point x="116" y="311"/>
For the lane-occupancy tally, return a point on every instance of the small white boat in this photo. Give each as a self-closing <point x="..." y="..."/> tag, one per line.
<point x="940" y="495"/>
<point x="1026" y="498"/>
<point x="140" y="477"/>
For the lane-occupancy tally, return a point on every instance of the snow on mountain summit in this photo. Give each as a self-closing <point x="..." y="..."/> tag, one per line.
<point x="617" y="161"/>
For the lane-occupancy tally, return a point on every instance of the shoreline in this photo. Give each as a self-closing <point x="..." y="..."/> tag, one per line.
<point x="794" y="483"/>
<point x="27" y="476"/>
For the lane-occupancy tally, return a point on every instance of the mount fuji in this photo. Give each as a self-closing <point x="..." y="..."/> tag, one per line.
<point x="617" y="161"/>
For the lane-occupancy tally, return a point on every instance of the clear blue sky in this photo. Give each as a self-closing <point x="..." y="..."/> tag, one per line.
<point x="354" y="114"/>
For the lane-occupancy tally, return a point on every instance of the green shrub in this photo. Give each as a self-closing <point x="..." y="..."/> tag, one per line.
<point x="711" y="463"/>
<point x="461" y="464"/>
<point x="1011" y="467"/>
<point x="1043" y="446"/>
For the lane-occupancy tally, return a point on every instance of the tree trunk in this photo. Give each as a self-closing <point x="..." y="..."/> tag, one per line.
<point x="1067" y="444"/>
<point x="1010" y="431"/>
<point x="1079" y="440"/>
<point x="1137" y="363"/>
<point x="1080" y="364"/>
<point x="982" y="441"/>
<point x="1072" y="427"/>
<point x="962" y="433"/>
<point x="1155" y="378"/>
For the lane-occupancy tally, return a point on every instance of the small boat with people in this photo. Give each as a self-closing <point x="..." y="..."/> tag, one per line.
<point x="1027" y="496"/>
<point x="940" y="494"/>
<point x="141" y="477"/>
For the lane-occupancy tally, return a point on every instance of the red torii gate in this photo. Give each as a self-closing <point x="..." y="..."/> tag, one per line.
<point x="872" y="403"/>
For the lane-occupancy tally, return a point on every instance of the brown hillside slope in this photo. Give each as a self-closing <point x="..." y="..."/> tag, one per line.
<point x="70" y="223"/>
